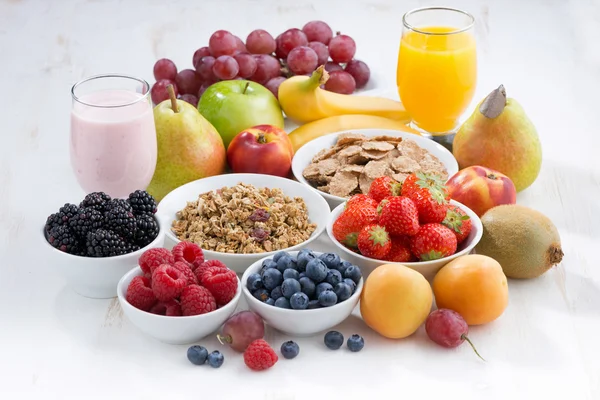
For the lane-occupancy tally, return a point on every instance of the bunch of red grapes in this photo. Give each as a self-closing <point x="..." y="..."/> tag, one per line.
<point x="265" y="60"/>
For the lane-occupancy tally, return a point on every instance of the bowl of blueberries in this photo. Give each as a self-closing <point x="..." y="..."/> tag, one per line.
<point x="302" y="292"/>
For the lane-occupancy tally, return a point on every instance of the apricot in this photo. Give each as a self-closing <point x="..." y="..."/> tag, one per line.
<point x="474" y="286"/>
<point x="395" y="300"/>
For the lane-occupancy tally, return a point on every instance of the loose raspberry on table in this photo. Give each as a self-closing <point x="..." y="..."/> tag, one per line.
<point x="196" y="300"/>
<point x="169" y="308"/>
<point x="167" y="282"/>
<point x="153" y="258"/>
<point x="222" y="283"/>
<point x="208" y="264"/>
<point x="139" y="293"/>
<point x="188" y="252"/>
<point x="187" y="271"/>
<point x="260" y="356"/>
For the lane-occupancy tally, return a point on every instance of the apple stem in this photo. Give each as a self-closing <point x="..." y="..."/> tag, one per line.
<point x="472" y="346"/>
<point x="246" y="87"/>
<point x="261" y="138"/>
<point x="173" y="98"/>
<point x="493" y="105"/>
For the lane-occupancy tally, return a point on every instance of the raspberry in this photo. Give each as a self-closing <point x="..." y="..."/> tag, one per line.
<point x="187" y="272"/>
<point x="208" y="264"/>
<point x="222" y="283"/>
<point x="155" y="257"/>
<point x="167" y="282"/>
<point x="169" y="308"/>
<point x="188" y="252"/>
<point x="260" y="356"/>
<point x="139" y="293"/>
<point x="196" y="300"/>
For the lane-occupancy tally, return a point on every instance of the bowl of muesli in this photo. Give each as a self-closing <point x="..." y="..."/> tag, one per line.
<point x="241" y="218"/>
<point x="341" y="164"/>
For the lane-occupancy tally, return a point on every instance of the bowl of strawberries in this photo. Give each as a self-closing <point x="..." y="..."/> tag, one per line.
<point x="414" y="223"/>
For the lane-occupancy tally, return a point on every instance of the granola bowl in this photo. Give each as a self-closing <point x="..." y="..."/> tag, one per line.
<point x="361" y="163"/>
<point x="241" y="218"/>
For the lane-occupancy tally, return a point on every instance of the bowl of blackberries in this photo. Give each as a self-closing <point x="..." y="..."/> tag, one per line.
<point x="96" y="241"/>
<point x="302" y="292"/>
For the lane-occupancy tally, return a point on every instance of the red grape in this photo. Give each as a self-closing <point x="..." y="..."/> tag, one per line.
<point x="340" y="82"/>
<point x="260" y="41"/>
<point x="267" y="67"/>
<point x="289" y="40"/>
<point x="321" y="50"/>
<point x="203" y="88"/>
<point x="241" y="329"/>
<point x="159" y="92"/>
<point x="190" y="98"/>
<point x="359" y="71"/>
<point x="222" y="43"/>
<point x="278" y="52"/>
<point x="330" y="66"/>
<point x="246" y="63"/>
<point x="448" y="329"/>
<point x="188" y="81"/>
<point x="165" y="69"/>
<point x="204" y="68"/>
<point x="198" y="54"/>
<point x="273" y="85"/>
<point x="318" y="31"/>
<point x="241" y="47"/>
<point x="225" y="67"/>
<point x="342" y="48"/>
<point x="302" y="60"/>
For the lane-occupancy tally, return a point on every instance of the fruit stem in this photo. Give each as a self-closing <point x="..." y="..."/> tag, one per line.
<point x="246" y="87"/>
<point x="224" y="339"/>
<point x="261" y="138"/>
<point x="493" y="105"/>
<point x="173" y="98"/>
<point x="472" y="346"/>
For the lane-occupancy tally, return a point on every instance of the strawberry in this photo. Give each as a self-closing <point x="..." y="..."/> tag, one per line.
<point x="433" y="241"/>
<point x="459" y="222"/>
<point x="359" y="199"/>
<point x="348" y="225"/>
<point x="399" y="215"/>
<point x="383" y="187"/>
<point x="400" y="251"/>
<point x="429" y="195"/>
<point x="374" y="242"/>
<point x="421" y="180"/>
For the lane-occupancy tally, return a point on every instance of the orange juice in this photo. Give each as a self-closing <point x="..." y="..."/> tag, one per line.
<point x="436" y="76"/>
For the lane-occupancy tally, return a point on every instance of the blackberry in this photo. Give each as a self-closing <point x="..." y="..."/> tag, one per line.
<point x="118" y="203"/>
<point x="146" y="229"/>
<point x="121" y="221"/>
<point x="61" y="238"/>
<point x="142" y="202"/>
<point x="62" y="217"/>
<point x="85" y="220"/>
<point x="96" y="200"/>
<point x="106" y="243"/>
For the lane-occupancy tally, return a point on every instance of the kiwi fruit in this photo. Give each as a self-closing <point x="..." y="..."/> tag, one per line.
<point x="524" y="241"/>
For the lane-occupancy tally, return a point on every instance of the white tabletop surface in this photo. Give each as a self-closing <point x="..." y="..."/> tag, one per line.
<point x="55" y="344"/>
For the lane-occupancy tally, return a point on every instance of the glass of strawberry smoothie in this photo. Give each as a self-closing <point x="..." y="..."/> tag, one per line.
<point x="113" y="137"/>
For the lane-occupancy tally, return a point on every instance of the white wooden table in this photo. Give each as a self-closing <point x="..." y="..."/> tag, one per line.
<point x="55" y="344"/>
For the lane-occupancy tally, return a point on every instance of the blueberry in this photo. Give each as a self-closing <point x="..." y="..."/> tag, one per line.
<point x="316" y="270"/>
<point x="290" y="349"/>
<point x="353" y="272"/>
<point x="334" y="340"/>
<point x="313" y="304"/>
<point x="321" y="287"/>
<point x="276" y="293"/>
<point x="282" y="302"/>
<point x="327" y="298"/>
<point x="197" y="355"/>
<point x="215" y="359"/>
<point x="343" y="291"/>
<point x="261" y="294"/>
<point x="285" y="262"/>
<point x="333" y="277"/>
<point x="343" y="266"/>
<point x="266" y="265"/>
<point x="291" y="273"/>
<point x="299" y="301"/>
<point x="270" y="301"/>
<point x="254" y="282"/>
<point x="280" y="254"/>
<point x="307" y="286"/>
<point x="350" y="283"/>
<point x="289" y="287"/>
<point x="331" y="260"/>
<point x="272" y="278"/>
<point x="304" y="256"/>
<point x="355" y="343"/>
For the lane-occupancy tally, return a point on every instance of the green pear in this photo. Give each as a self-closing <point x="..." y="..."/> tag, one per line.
<point x="500" y="136"/>
<point x="189" y="147"/>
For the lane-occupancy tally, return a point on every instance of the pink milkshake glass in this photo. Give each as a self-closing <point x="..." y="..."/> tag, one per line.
<point x="113" y="136"/>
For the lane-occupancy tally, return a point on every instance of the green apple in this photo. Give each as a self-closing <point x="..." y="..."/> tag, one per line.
<point x="232" y="106"/>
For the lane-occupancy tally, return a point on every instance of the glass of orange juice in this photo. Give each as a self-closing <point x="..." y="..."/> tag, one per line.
<point x="437" y="67"/>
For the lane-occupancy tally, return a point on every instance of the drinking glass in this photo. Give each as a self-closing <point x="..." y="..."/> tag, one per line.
<point x="437" y="67"/>
<point x="113" y="137"/>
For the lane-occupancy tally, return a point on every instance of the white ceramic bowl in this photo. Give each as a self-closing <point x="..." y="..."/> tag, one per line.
<point x="318" y="211"/>
<point x="300" y="322"/>
<point x="427" y="268"/>
<point x="174" y="330"/>
<point x="93" y="277"/>
<point x="305" y="154"/>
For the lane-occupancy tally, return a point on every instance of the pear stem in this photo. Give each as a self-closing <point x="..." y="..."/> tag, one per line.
<point x="173" y="98"/>
<point x="472" y="346"/>
<point x="493" y="105"/>
<point x="246" y="87"/>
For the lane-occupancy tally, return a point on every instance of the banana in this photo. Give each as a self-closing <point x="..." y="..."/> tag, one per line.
<point x="303" y="101"/>
<point x="307" y="132"/>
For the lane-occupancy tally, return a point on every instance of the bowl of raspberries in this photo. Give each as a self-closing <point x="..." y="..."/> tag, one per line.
<point x="95" y="242"/>
<point x="414" y="223"/>
<point x="178" y="297"/>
